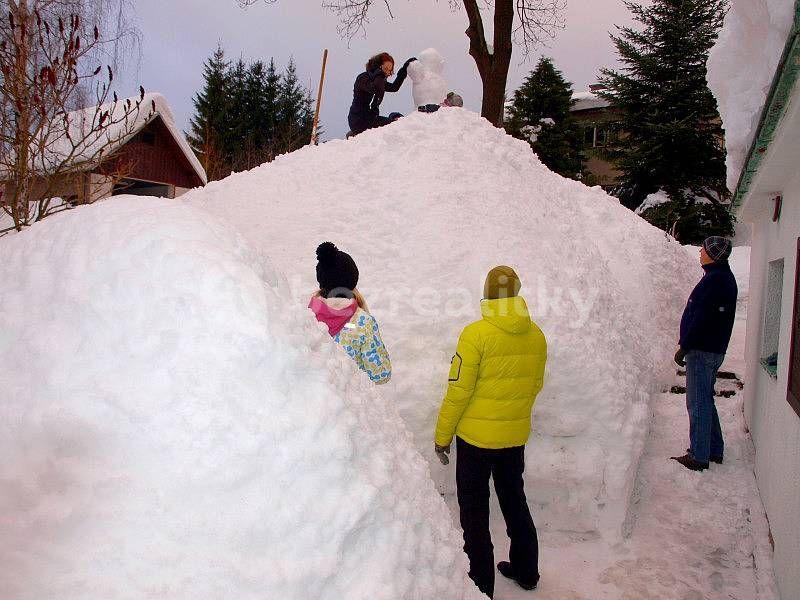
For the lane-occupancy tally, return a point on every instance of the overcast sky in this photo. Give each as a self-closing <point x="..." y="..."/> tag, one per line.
<point x="179" y="35"/>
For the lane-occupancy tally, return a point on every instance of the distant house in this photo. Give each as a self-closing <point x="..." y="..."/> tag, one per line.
<point x="143" y="153"/>
<point x="768" y="197"/>
<point x="599" y="122"/>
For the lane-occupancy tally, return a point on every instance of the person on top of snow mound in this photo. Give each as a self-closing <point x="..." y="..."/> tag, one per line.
<point x="342" y="308"/>
<point x="706" y="328"/>
<point x="495" y="375"/>
<point x="368" y="91"/>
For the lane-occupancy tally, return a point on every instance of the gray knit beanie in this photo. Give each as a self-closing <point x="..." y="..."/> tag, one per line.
<point x="718" y="248"/>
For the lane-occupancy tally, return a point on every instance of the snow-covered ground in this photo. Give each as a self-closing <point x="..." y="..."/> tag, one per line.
<point x="694" y="536"/>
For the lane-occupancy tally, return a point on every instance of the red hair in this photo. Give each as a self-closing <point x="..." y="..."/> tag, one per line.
<point x="378" y="60"/>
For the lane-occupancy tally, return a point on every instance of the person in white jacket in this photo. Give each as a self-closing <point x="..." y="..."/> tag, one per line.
<point x="339" y="305"/>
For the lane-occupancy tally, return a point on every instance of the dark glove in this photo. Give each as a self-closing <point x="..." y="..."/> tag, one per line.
<point x="442" y="452"/>
<point x="680" y="355"/>
<point x="408" y="62"/>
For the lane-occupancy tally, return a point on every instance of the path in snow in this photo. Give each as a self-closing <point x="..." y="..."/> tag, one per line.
<point x="694" y="536"/>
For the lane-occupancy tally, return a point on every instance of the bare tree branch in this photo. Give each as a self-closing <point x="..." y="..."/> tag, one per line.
<point x="48" y="59"/>
<point x="538" y="21"/>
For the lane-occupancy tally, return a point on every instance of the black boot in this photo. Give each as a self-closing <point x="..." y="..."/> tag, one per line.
<point x="507" y="571"/>
<point x="688" y="461"/>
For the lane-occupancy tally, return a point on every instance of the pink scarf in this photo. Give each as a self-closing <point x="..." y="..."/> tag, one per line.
<point x="335" y="317"/>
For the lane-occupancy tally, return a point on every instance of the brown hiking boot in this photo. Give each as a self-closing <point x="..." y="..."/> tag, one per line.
<point x="715" y="459"/>
<point x="688" y="461"/>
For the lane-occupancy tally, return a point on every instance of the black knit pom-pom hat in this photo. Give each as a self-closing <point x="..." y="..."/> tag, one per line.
<point x="336" y="270"/>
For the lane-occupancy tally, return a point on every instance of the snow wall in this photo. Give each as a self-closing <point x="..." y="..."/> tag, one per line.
<point x="174" y="425"/>
<point x="426" y="207"/>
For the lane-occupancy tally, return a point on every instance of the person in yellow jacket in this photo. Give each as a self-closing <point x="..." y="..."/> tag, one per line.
<point x="495" y="375"/>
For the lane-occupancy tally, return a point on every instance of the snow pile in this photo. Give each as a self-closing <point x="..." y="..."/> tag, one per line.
<point x="741" y="68"/>
<point x="174" y="426"/>
<point x="426" y="207"/>
<point x="427" y="74"/>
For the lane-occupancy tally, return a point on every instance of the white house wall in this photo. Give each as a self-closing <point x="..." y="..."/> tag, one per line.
<point x="774" y="425"/>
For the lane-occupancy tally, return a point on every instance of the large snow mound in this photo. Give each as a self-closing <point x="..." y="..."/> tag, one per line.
<point x="172" y="425"/>
<point x="741" y="67"/>
<point x="426" y="207"/>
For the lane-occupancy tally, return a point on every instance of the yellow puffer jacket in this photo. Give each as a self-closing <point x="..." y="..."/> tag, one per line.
<point x="495" y="375"/>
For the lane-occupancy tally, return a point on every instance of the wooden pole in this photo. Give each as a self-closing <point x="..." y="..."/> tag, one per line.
<point x="319" y="98"/>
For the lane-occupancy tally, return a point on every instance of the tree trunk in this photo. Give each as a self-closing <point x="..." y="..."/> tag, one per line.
<point x="493" y="63"/>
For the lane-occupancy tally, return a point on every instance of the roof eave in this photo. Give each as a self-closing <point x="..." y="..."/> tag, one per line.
<point x="781" y="90"/>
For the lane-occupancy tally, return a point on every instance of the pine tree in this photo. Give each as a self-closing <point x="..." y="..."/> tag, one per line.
<point x="540" y="114"/>
<point x="673" y="134"/>
<point x="272" y="90"/>
<point x="248" y="114"/>
<point x="258" y="112"/>
<point x="238" y="118"/>
<point x="208" y="124"/>
<point x="295" y="115"/>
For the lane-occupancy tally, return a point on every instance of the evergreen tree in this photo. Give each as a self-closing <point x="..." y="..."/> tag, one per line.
<point x="540" y="114"/>
<point x="248" y="114"/>
<point x="208" y="124"/>
<point x="673" y="134"/>
<point x="258" y="110"/>
<point x="238" y="118"/>
<point x="295" y="114"/>
<point x="272" y="89"/>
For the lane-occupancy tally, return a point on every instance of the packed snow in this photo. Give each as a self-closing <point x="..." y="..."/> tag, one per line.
<point x="741" y="68"/>
<point x="427" y="76"/>
<point x="693" y="535"/>
<point x="426" y="207"/>
<point x="175" y="425"/>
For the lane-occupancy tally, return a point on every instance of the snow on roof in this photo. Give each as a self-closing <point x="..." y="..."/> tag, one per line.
<point x="741" y="67"/>
<point x="124" y="123"/>
<point x="588" y="100"/>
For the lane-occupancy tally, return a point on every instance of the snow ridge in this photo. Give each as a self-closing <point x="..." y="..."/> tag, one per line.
<point x="426" y="207"/>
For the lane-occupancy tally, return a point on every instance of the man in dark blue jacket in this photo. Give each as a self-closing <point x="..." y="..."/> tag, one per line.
<point x="706" y="328"/>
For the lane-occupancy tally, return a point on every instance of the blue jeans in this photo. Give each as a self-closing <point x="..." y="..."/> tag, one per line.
<point x="705" y="433"/>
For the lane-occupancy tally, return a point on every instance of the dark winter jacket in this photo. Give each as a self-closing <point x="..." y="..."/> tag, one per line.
<point x="368" y="92"/>
<point x="707" y="320"/>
